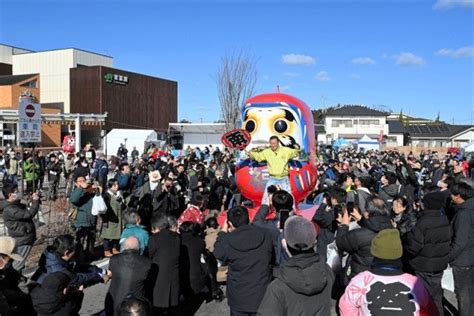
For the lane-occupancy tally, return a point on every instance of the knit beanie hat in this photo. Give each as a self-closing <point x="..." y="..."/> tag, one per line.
<point x="387" y="245"/>
<point x="300" y="233"/>
<point x="434" y="201"/>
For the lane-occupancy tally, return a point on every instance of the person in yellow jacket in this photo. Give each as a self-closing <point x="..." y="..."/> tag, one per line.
<point x="277" y="158"/>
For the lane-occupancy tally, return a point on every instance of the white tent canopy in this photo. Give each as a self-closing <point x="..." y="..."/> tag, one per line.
<point x="130" y="138"/>
<point x="368" y="143"/>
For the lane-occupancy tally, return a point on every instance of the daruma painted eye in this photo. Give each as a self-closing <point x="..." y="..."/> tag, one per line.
<point x="250" y="126"/>
<point x="280" y="126"/>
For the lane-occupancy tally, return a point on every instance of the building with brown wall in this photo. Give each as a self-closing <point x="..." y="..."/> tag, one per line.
<point x="11" y="88"/>
<point x="131" y="100"/>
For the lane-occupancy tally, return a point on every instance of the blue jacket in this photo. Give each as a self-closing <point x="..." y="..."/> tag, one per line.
<point x="80" y="274"/>
<point x="101" y="169"/>
<point x="82" y="199"/>
<point x="139" y="232"/>
<point x="124" y="180"/>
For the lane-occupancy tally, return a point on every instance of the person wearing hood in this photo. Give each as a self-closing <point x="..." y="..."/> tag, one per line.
<point x="385" y="288"/>
<point x="303" y="283"/>
<point x="428" y="244"/>
<point x="461" y="255"/>
<point x="18" y="219"/>
<point x="112" y="225"/>
<point x="357" y="241"/>
<point x="389" y="189"/>
<point x="248" y="251"/>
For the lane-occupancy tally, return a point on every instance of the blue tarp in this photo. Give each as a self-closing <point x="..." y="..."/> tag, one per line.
<point x="340" y="142"/>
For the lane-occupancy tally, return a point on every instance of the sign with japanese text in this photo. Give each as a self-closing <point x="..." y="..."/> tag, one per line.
<point x="29" y="126"/>
<point x="236" y="139"/>
<point x="117" y="79"/>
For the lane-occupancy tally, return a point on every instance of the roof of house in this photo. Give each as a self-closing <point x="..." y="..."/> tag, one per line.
<point x="319" y="128"/>
<point x="10" y="80"/>
<point x="396" y="127"/>
<point x="354" y="110"/>
<point x="435" y="130"/>
<point x="198" y="128"/>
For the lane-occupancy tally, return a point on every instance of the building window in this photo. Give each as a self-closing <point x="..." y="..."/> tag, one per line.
<point x="30" y="84"/>
<point x="341" y="123"/>
<point x="369" y="122"/>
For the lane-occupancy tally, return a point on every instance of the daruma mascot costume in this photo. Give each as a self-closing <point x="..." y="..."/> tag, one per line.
<point x="69" y="144"/>
<point x="291" y="120"/>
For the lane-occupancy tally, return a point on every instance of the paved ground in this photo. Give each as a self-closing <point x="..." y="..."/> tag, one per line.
<point x="94" y="302"/>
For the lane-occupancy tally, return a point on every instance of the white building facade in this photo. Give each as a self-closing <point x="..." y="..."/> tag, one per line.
<point x="53" y="67"/>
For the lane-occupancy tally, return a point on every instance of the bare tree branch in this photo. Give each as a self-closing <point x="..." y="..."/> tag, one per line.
<point x="236" y="79"/>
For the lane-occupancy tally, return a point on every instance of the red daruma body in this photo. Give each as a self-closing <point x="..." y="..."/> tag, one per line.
<point x="291" y="120"/>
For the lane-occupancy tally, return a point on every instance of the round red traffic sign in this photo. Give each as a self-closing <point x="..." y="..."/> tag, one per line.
<point x="30" y="110"/>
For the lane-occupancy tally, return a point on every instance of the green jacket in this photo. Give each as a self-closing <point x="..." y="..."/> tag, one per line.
<point x="32" y="170"/>
<point x="82" y="199"/>
<point x="277" y="161"/>
<point x="112" y="224"/>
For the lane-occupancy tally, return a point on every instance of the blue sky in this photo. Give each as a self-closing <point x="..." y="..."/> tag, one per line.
<point x="412" y="55"/>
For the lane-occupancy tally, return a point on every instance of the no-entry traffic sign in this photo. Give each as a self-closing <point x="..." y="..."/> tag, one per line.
<point x="29" y="127"/>
<point x="30" y="110"/>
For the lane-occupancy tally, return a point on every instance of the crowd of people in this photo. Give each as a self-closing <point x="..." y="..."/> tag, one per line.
<point x="176" y="230"/>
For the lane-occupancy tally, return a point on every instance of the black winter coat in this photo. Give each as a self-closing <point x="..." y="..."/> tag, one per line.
<point x="130" y="270"/>
<point x="248" y="253"/>
<point x="428" y="243"/>
<point x="54" y="171"/>
<point x="302" y="286"/>
<point x="462" y="247"/>
<point x="164" y="252"/>
<point x="405" y="222"/>
<point x="357" y="242"/>
<point x="326" y="221"/>
<point x="49" y="298"/>
<point x="19" y="222"/>
<point x="13" y="301"/>
<point x="192" y="273"/>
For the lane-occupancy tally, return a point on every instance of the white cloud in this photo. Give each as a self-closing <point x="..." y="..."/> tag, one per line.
<point x="292" y="74"/>
<point x="322" y="76"/>
<point x="409" y="59"/>
<point x="363" y="61"/>
<point x="266" y="77"/>
<point x="283" y="88"/>
<point x="448" y="4"/>
<point x="355" y="76"/>
<point x="466" y="51"/>
<point x="297" y="59"/>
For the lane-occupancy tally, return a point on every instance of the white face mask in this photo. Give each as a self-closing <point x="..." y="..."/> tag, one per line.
<point x="153" y="185"/>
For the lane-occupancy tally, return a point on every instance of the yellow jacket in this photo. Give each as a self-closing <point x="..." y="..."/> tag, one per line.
<point x="277" y="161"/>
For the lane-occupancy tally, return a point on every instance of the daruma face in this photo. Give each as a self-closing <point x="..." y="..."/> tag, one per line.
<point x="264" y="121"/>
<point x="289" y="119"/>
